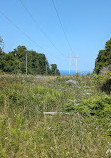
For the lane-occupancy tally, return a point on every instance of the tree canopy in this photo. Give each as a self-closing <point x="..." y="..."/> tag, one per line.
<point x="15" y="62"/>
<point x="104" y="57"/>
<point x="54" y="70"/>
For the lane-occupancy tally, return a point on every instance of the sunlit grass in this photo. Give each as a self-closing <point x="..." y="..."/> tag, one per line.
<point x="26" y="132"/>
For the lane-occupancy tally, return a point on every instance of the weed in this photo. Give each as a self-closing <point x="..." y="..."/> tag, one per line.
<point x="83" y="131"/>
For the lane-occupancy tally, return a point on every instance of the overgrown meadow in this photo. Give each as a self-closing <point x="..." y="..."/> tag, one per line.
<point x="80" y="128"/>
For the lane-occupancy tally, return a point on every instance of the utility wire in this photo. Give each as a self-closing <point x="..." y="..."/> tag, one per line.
<point x="41" y="30"/>
<point x="62" y="26"/>
<point x="18" y="28"/>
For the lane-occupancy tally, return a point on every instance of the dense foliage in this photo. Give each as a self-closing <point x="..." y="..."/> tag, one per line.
<point x="103" y="58"/>
<point x="15" y="62"/>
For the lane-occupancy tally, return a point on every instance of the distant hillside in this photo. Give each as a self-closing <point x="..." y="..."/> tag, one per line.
<point x="15" y="62"/>
<point x="104" y="58"/>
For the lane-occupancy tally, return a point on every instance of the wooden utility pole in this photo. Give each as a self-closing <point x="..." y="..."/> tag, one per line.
<point x="26" y="63"/>
<point x="55" y="72"/>
<point x="70" y="57"/>
<point x="76" y="63"/>
<point x="46" y="69"/>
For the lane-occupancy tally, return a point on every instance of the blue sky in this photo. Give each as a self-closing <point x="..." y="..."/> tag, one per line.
<point x="87" y="24"/>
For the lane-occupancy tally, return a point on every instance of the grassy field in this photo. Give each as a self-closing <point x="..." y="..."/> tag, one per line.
<point x="80" y="129"/>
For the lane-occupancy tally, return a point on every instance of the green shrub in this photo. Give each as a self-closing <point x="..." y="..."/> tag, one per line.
<point x="106" y="86"/>
<point x="98" y="106"/>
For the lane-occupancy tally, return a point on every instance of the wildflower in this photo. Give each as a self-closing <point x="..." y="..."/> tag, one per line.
<point x="108" y="151"/>
<point x="49" y="128"/>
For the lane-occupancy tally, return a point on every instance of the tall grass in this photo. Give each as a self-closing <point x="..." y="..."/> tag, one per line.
<point x="26" y="132"/>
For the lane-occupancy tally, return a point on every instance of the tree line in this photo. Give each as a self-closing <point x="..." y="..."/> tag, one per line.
<point x="104" y="57"/>
<point x="15" y="62"/>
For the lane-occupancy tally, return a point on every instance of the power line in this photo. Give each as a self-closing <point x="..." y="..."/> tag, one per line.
<point x="18" y="28"/>
<point x="62" y="26"/>
<point x="41" y="30"/>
